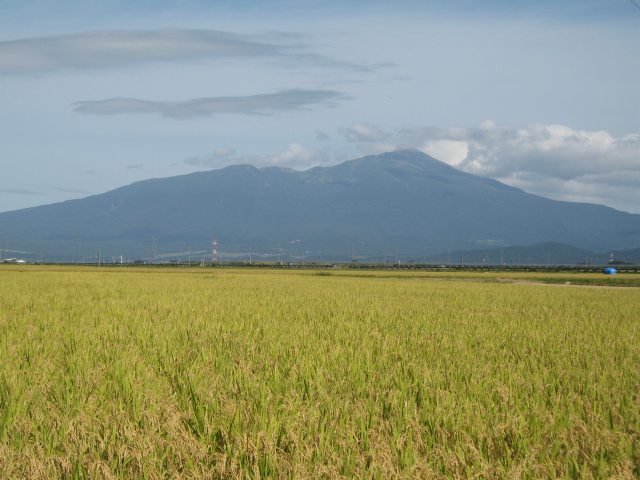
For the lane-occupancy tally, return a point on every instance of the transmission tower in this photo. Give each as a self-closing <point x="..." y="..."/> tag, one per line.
<point x="214" y="253"/>
<point x="78" y="258"/>
<point x="153" y="249"/>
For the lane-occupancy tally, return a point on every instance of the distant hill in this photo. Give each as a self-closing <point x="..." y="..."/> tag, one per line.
<point x="402" y="203"/>
<point x="628" y="256"/>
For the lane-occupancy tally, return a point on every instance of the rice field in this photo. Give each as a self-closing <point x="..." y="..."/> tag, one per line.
<point x="113" y="373"/>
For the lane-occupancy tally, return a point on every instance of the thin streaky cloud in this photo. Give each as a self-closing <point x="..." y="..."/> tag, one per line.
<point x="115" y="48"/>
<point x="293" y="60"/>
<point x="283" y="101"/>
<point x="19" y="191"/>
<point x="120" y="48"/>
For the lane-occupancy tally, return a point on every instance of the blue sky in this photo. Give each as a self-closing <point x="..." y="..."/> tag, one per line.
<point x="540" y="95"/>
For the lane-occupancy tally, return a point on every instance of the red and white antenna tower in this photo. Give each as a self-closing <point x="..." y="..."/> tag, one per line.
<point x="214" y="255"/>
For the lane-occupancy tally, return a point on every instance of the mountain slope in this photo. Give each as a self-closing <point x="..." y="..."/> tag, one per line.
<point x="404" y="200"/>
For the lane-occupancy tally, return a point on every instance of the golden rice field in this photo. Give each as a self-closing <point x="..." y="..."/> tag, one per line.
<point x="247" y="374"/>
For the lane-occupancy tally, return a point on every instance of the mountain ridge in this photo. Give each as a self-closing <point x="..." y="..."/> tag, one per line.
<point x="405" y="200"/>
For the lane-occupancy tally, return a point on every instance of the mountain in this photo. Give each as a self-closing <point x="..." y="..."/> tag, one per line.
<point x="405" y="202"/>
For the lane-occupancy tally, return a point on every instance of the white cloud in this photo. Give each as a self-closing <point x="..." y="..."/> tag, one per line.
<point x="296" y="157"/>
<point x="364" y="132"/>
<point x="449" y="151"/>
<point x="551" y="150"/>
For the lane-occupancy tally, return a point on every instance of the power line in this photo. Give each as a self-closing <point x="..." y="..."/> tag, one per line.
<point x="637" y="6"/>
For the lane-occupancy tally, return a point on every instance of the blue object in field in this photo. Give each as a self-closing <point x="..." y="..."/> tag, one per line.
<point x="610" y="271"/>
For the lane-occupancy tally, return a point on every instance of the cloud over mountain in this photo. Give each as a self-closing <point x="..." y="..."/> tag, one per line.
<point x="550" y="160"/>
<point x="295" y="156"/>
